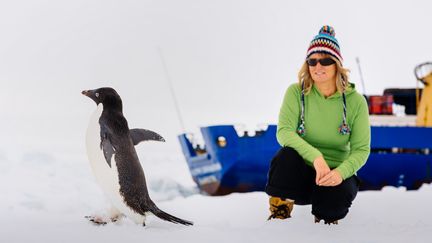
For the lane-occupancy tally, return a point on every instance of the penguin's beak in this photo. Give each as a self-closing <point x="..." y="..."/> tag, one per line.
<point x="91" y="95"/>
<point x="86" y="93"/>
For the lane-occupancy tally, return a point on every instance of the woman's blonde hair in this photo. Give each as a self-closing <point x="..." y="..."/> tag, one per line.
<point x="341" y="76"/>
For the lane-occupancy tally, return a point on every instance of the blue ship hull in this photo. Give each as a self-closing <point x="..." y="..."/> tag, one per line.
<point x="231" y="163"/>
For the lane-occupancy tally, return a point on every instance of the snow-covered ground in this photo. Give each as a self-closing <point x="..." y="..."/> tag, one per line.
<point x="45" y="198"/>
<point x="218" y="54"/>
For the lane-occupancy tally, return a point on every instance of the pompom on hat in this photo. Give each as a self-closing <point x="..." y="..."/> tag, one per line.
<point x="325" y="42"/>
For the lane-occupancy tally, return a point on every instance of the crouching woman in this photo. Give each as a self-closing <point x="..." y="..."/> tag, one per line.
<point x="324" y="132"/>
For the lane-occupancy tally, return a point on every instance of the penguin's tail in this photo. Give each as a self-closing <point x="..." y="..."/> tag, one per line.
<point x="168" y="217"/>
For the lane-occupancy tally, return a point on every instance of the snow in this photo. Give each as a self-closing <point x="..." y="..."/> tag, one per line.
<point x="218" y="54"/>
<point x="47" y="198"/>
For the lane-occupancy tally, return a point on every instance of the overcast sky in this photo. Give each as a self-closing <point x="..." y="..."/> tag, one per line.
<point x="229" y="61"/>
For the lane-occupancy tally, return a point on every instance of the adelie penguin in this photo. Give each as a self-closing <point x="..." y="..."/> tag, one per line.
<point x="111" y="152"/>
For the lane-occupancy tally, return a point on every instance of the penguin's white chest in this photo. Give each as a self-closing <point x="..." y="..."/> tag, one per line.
<point x="107" y="177"/>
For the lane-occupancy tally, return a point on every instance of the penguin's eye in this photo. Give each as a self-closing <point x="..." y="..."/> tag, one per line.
<point x="97" y="95"/>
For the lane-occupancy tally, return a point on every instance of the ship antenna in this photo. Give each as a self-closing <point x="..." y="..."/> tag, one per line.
<point x="361" y="75"/>
<point x="168" y="78"/>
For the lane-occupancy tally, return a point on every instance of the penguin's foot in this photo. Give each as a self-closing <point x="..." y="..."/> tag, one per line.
<point x="115" y="215"/>
<point x="116" y="218"/>
<point x="97" y="220"/>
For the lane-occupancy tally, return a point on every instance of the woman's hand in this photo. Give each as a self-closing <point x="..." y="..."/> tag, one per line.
<point x="321" y="168"/>
<point x="333" y="178"/>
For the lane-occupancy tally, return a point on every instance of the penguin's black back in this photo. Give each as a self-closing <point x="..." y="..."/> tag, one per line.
<point x="117" y="144"/>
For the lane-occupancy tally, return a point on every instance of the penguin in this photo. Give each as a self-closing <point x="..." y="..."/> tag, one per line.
<point x="113" y="158"/>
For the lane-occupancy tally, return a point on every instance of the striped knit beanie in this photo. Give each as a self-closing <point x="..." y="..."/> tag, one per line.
<point x="325" y="42"/>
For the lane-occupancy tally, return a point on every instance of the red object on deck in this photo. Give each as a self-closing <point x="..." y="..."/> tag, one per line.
<point x="381" y="104"/>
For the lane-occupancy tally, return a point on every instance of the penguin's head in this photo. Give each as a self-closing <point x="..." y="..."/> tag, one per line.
<point x="107" y="96"/>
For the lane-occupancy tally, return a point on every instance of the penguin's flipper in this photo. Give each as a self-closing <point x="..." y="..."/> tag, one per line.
<point x="106" y="146"/>
<point x="138" y="135"/>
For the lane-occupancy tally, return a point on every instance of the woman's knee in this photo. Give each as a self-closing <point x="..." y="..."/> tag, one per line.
<point x="287" y="161"/>
<point x="289" y="175"/>
<point x="287" y="154"/>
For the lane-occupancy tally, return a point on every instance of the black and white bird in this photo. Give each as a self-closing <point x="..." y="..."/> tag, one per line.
<point x="114" y="161"/>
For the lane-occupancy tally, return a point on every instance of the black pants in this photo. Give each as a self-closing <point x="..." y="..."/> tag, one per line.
<point x="290" y="177"/>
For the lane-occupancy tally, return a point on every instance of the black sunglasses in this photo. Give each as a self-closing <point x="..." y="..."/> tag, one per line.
<point x="324" y="62"/>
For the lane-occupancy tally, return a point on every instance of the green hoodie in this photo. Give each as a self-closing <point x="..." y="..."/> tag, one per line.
<point x="323" y="116"/>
